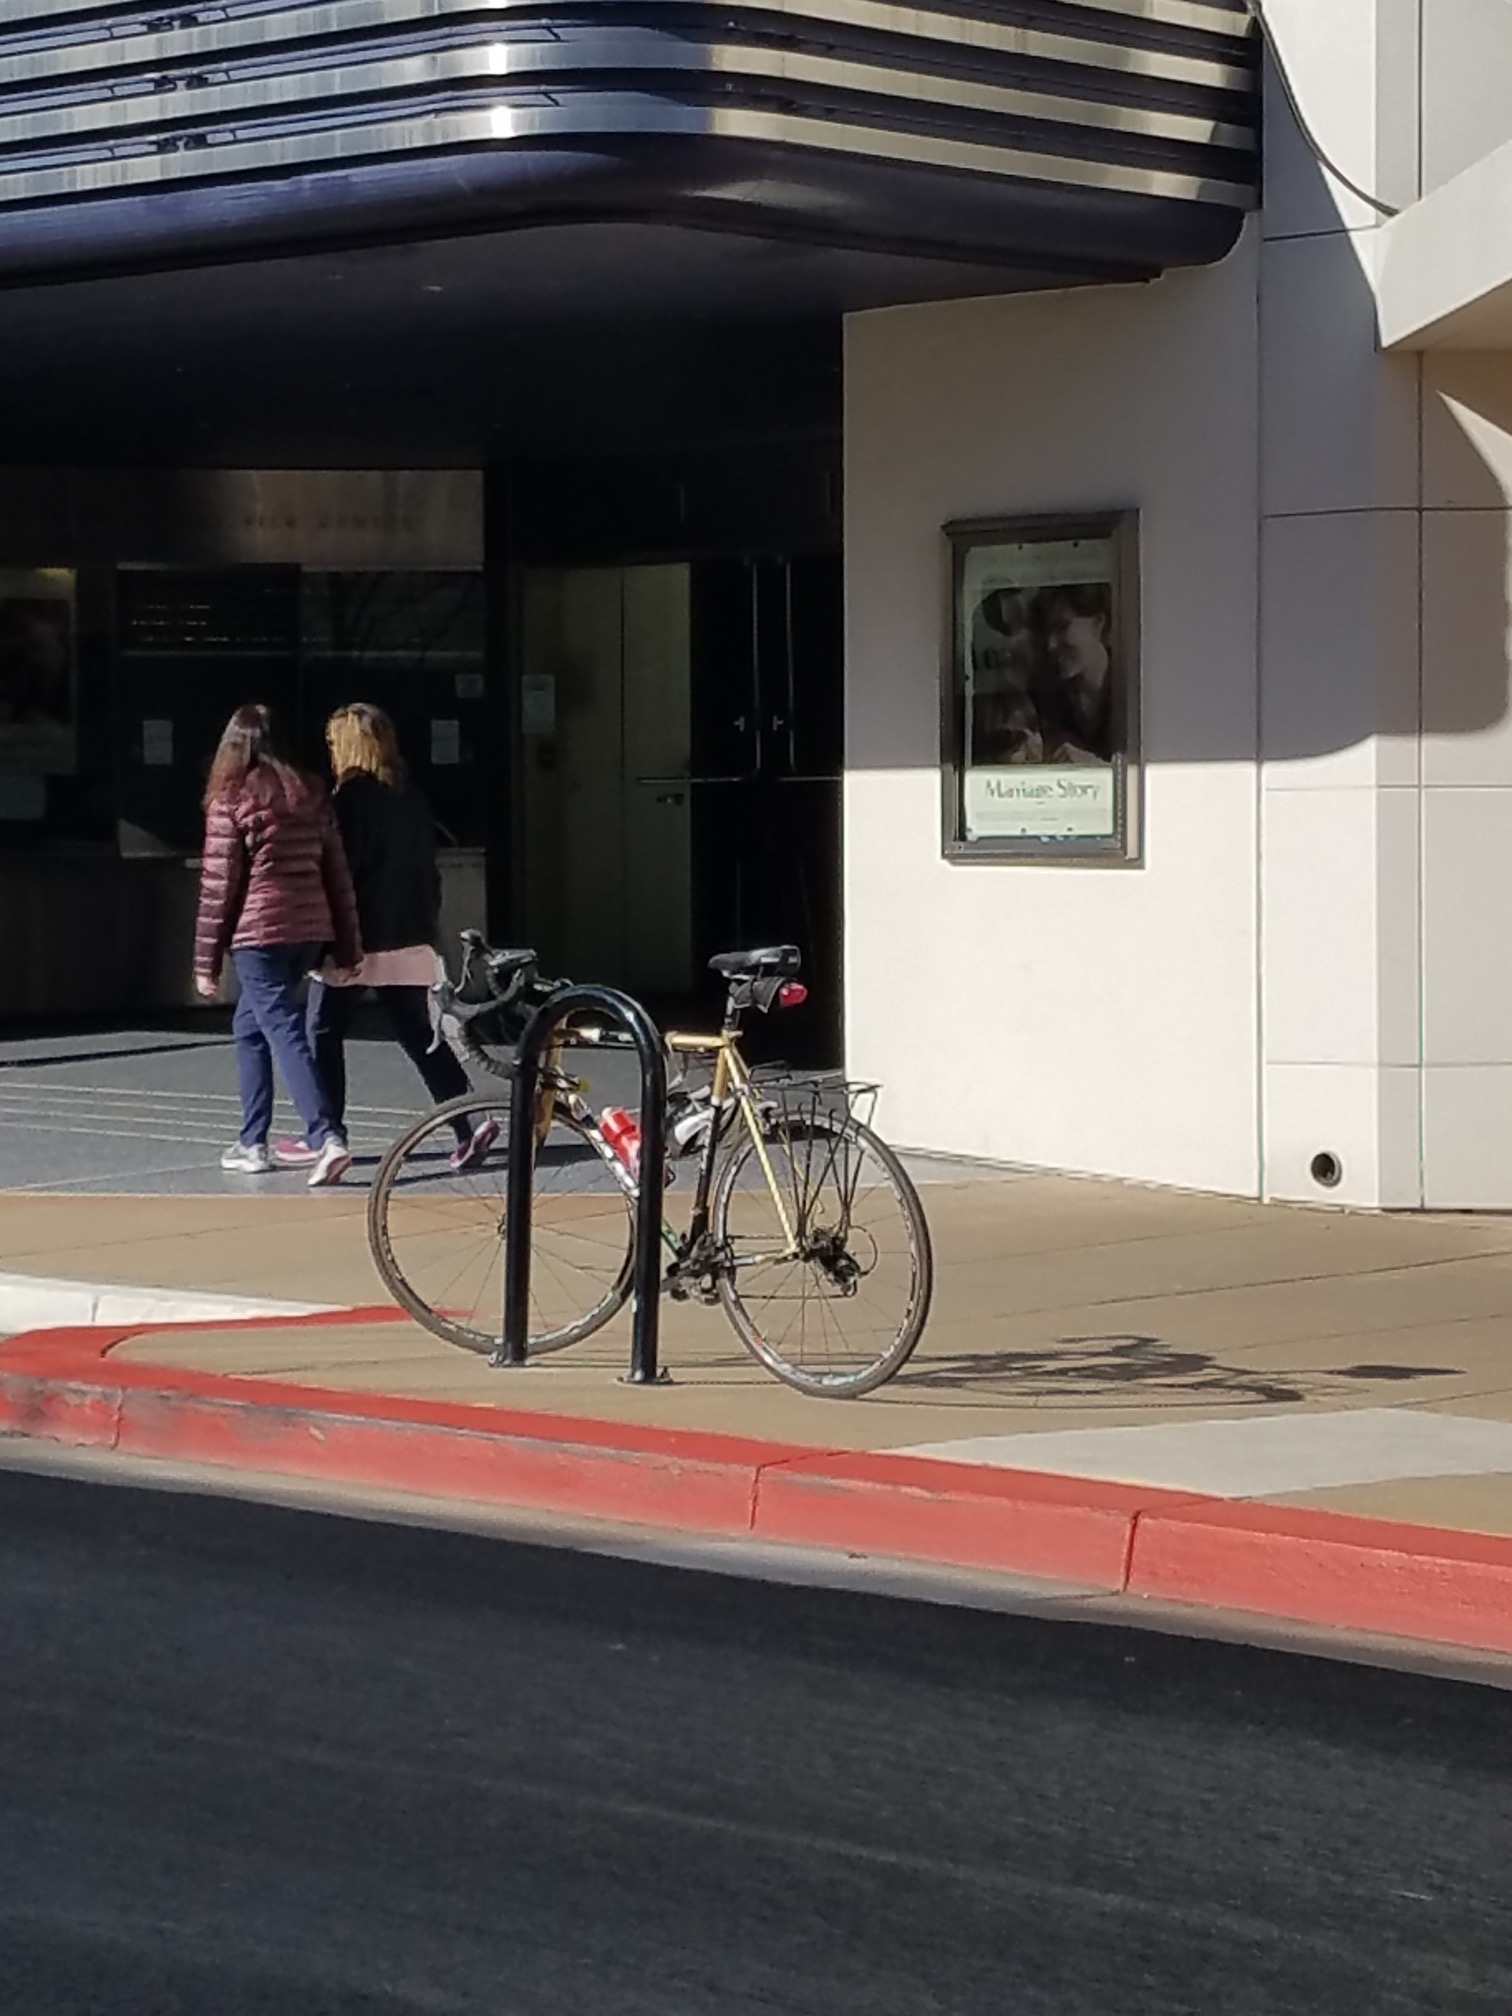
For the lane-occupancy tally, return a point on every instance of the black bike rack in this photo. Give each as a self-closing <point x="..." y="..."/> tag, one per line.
<point x="520" y="1195"/>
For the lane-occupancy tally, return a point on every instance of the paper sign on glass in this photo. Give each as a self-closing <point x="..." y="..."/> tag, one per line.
<point x="538" y="704"/>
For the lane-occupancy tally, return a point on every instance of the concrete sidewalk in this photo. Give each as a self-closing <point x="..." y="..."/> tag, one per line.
<point x="1141" y="1354"/>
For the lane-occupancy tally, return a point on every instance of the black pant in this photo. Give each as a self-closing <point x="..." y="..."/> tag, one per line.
<point x="408" y="1012"/>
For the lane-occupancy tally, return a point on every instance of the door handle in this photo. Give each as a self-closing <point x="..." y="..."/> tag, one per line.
<point x="682" y="783"/>
<point x="671" y="797"/>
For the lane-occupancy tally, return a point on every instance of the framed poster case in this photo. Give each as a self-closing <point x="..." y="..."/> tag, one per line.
<point x="1039" y="757"/>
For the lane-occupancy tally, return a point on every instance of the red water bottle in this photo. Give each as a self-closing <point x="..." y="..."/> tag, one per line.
<point x="622" y="1131"/>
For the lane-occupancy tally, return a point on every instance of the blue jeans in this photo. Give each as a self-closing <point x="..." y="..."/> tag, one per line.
<point x="408" y="1012"/>
<point x="269" y="1022"/>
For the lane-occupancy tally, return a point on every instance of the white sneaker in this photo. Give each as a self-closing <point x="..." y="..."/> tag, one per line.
<point x="248" y="1158"/>
<point x="331" y="1164"/>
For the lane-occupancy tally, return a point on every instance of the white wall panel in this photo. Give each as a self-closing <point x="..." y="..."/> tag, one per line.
<point x="1467" y="927"/>
<point x="1088" y="1017"/>
<point x="1339" y="423"/>
<point x="1339" y="649"/>
<point x="1366" y="1117"/>
<point x="1467" y="631"/>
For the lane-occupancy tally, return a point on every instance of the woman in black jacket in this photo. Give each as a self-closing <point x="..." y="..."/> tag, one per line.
<point x="391" y="850"/>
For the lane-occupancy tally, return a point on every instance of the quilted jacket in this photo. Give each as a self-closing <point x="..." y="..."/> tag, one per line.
<point x="274" y="873"/>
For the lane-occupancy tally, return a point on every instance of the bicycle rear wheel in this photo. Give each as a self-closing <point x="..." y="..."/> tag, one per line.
<point x="838" y="1309"/>
<point x="437" y="1233"/>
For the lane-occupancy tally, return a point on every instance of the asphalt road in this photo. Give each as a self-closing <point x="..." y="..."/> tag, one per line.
<point x="262" y="1760"/>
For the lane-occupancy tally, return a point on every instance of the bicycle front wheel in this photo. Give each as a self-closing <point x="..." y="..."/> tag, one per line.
<point x="437" y="1233"/>
<point x="831" y="1289"/>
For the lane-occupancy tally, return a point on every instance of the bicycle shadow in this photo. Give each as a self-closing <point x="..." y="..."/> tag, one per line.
<point x="1128" y="1365"/>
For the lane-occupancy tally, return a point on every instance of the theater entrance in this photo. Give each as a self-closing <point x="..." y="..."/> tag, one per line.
<point x="680" y="751"/>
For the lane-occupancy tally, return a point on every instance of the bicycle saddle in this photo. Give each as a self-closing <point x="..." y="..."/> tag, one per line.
<point x="771" y="962"/>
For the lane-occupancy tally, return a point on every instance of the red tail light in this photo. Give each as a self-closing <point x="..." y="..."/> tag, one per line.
<point x="792" y="994"/>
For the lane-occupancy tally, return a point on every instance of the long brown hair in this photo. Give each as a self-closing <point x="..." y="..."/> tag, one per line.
<point x="247" y="759"/>
<point x="362" y="737"/>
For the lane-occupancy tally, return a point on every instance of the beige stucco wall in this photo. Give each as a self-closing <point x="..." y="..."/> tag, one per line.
<point x="1316" y="955"/>
<point x="1099" y="1018"/>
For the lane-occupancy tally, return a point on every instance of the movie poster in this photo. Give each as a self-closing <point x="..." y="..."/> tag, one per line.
<point x="1038" y="655"/>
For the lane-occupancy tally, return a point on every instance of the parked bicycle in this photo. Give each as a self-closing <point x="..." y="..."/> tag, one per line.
<point x="803" y="1226"/>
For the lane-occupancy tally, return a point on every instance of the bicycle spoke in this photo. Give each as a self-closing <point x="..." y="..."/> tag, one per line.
<point x="438" y="1233"/>
<point x="842" y="1313"/>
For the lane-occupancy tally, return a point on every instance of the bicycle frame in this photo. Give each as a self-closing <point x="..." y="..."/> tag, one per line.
<point x="732" y="1085"/>
<point x="732" y="1077"/>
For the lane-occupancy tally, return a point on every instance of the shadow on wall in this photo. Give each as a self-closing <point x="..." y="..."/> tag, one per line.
<point x="1394" y="620"/>
<point x="1382" y="548"/>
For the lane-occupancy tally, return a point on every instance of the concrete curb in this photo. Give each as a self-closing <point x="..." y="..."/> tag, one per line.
<point x="1330" y="1569"/>
<point x="39" y="1301"/>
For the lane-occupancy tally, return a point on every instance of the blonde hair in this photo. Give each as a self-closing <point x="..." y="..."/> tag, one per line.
<point x="361" y="737"/>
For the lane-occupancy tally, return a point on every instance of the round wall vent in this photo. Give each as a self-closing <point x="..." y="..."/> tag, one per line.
<point x="1327" y="1169"/>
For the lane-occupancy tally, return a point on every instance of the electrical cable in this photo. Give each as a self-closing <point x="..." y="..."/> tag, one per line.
<point x="1256" y="11"/>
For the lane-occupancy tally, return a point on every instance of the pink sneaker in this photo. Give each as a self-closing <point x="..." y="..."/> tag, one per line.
<point x="475" y="1149"/>
<point x="295" y="1154"/>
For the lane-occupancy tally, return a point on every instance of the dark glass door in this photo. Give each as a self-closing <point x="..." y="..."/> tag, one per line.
<point x="767" y="659"/>
<point x="679" y="785"/>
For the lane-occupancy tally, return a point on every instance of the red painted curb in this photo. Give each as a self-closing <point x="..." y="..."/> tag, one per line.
<point x="63" y="1386"/>
<point x="1329" y="1568"/>
<point x="81" y="1357"/>
<point x="1324" y="1568"/>
<point x="966" y="1515"/>
<point x="539" y="1472"/>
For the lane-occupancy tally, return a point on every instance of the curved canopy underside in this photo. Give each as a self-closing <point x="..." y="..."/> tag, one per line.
<point x="344" y="197"/>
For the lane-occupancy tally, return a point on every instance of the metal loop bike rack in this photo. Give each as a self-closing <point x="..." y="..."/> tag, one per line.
<point x="520" y="1191"/>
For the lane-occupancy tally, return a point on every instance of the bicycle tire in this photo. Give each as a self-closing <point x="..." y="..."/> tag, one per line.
<point x="815" y="1166"/>
<point x="437" y="1235"/>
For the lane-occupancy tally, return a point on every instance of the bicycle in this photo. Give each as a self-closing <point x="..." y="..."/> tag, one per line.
<point x="803" y="1225"/>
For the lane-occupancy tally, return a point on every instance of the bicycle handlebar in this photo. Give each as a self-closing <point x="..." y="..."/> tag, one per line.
<point x="497" y="992"/>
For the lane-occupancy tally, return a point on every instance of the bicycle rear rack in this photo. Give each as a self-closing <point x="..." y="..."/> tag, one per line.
<point x="796" y="1099"/>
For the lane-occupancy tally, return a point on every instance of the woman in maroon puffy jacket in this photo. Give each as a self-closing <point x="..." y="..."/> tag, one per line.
<point x="276" y="894"/>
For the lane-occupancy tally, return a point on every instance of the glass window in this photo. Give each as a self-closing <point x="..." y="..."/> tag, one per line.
<point x="1039" y="746"/>
<point x="57" y="740"/>
<point x="413" y="643"/>
<point x="422" y="619"/>
<point x="192" y="644"/>
<point x="38" y="686"/>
